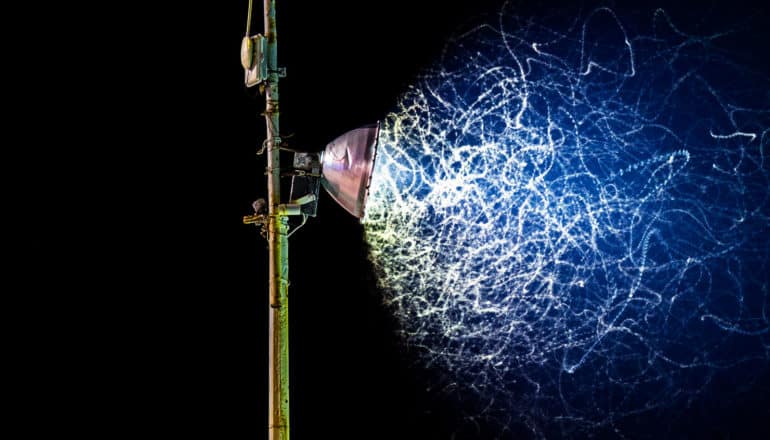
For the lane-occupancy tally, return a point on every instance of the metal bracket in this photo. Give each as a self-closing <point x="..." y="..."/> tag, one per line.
<point x="259" y="220"/>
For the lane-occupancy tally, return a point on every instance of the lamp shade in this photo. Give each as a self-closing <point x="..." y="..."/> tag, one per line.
<point x="347" y="164"/>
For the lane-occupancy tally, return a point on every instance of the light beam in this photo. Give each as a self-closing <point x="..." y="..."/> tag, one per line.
<point x="572" y="222"/>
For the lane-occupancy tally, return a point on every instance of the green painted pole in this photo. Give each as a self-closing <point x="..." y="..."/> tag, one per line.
<point x="278" y="418"/>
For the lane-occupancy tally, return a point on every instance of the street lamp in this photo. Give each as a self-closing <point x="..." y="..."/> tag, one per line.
<point x="344" y="169"/>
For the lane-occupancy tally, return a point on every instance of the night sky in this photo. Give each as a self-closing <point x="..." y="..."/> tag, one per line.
<point x="351" y="377"/>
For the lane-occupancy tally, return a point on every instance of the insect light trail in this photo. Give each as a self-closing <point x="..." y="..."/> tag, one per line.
<point x="570" y="220"/>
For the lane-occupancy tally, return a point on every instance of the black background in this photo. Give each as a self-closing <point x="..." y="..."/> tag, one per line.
<point x="192" y="355"/>
<point x="347" y="63"/>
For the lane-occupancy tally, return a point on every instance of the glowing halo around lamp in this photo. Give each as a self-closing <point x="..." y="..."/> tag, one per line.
<point x="570" y="223"/>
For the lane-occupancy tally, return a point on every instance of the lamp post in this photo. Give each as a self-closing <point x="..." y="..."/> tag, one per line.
<point x="259" y="57"/>
<point x="344" y="169"/>
<point x="278" y="417"/>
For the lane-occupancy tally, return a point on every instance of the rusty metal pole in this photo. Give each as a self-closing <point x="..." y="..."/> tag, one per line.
<point x="278" y="418"/>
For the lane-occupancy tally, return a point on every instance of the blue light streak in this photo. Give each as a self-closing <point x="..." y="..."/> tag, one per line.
<point x="572" y="223"/>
